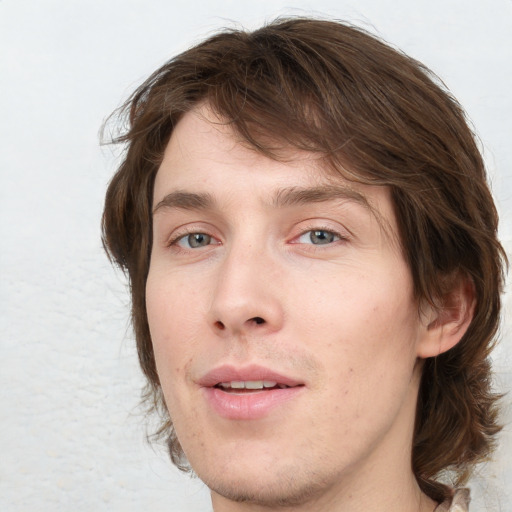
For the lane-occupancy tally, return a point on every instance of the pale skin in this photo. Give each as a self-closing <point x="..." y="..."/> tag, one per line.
<point x="281" y="265"/>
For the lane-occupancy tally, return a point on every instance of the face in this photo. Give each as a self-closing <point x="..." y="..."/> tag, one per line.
<point x="283" y="320"/>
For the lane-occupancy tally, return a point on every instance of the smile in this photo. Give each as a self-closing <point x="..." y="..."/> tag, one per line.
<point x="250" y="385"/>
<point x="248" y="393"/>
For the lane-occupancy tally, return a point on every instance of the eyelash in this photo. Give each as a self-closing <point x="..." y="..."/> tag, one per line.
<point x="173" y="242"/>
<point x="326" y="229"/>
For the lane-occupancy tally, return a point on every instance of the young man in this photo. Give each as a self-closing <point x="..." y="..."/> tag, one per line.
<point x="311" y="245"/>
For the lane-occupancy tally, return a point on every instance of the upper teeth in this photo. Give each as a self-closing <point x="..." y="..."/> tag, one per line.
<point x="250" y="384"/>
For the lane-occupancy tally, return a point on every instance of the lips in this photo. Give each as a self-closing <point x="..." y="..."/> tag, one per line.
<point x="248" y="393"/>
<point x="253" y="373"/>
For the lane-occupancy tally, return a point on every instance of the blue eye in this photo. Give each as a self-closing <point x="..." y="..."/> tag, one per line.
<point x="194" y="240"/>
<point x="319" y="237"/>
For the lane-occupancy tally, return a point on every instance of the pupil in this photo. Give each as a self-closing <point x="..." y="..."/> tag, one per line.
<point x="321" y="237"/>
<point x="198" y="240"/>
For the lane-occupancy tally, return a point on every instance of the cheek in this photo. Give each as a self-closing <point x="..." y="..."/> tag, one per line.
<point x="169" y="296"/>
<point x="169" y="326"/>
<point x="364" y="320"/>
<point x="173" y="327"/>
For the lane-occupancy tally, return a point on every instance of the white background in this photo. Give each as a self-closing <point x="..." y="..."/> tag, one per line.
<point x="72" y="437"/>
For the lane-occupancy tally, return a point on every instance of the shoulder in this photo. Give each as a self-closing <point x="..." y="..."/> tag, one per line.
<point x="458" y="503"/>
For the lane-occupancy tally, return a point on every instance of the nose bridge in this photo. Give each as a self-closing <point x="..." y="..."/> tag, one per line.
<point x="245" y="297"/>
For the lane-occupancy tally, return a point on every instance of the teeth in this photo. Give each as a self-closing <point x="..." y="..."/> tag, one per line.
<point x="250" y="384"/>
<point x="254" y="384"/>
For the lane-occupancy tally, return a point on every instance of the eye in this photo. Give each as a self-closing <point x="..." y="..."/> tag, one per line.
<point x="193" y="241"/>
<point x="318" y="237"/>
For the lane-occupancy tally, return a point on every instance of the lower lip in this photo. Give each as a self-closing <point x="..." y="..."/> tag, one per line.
<point x="249" y="406"/>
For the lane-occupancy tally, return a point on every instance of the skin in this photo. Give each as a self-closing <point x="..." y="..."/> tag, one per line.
<point x="335" y="310"/>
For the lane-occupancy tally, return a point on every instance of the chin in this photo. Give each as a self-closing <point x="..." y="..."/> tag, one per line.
<point x="267" y="487"/>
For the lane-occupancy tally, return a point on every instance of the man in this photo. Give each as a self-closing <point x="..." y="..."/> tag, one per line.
<point x="311" y="245"/>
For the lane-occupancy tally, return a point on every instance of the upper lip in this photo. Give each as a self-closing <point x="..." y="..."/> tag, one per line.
<point x="229" y="373"/>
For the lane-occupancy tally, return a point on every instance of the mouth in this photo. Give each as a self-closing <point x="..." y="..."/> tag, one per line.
<point x="248" y="393"/>
<point x="247" y="378"/>
<point x="249" y="386"/>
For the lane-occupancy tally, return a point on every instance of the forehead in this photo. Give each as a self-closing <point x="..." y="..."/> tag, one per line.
<point x="203" y="140"/>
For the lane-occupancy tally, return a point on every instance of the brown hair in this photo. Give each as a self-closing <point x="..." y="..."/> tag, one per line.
<point x="378" y="117"/>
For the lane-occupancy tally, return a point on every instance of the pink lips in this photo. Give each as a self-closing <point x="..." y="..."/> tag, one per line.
<point x="247" y="404"/>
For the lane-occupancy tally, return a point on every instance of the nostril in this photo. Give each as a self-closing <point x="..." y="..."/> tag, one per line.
<point x="258" y="320"/>
<point x="220" y="325"/>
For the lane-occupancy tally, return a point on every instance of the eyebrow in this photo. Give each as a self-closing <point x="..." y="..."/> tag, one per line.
<point x="287" y="197"/>
<point x="186" y="201"/>
<point x="296" y="196"/>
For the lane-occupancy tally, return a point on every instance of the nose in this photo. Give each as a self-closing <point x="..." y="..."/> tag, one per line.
<point x="247" y="295"/>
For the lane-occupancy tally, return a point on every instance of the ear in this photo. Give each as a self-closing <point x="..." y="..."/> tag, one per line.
<point x="445" y="325"/>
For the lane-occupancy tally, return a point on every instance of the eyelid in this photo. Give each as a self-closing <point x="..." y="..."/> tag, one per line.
<point x="340" y="234"/>
<point x="180" y="233"/>
<point x="336" y="236"/>
<point x="184" y="242"/>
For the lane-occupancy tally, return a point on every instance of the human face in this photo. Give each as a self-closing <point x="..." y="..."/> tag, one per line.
<point x="275" y="273"/>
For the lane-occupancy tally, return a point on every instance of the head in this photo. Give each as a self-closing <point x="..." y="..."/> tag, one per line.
<point x="363" y="115"/>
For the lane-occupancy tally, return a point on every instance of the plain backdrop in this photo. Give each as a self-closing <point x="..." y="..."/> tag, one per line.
<point x="72" y="437"/>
